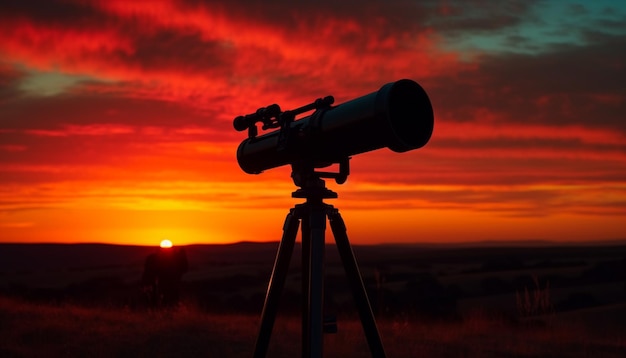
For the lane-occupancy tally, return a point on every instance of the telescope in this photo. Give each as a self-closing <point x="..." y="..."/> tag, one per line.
<point x="398" y="116"/>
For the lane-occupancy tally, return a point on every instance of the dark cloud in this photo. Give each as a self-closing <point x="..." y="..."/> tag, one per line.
<point x="184" y="53"/>
<point x="576" y="10"/>
<point x="297" y="14"/>
<point x="54" y="111"/>
<point x="574" y="85"/>
<point x="50" y="12"/>
<point x="463" y="18"/>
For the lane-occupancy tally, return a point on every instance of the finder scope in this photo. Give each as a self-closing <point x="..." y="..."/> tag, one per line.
<point x="398" y="116"/>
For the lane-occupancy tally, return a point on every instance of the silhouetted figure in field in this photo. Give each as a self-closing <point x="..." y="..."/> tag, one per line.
<point x="149" y="281"/>
<point x="624" y="273"/>
<point x="162" y="274"/>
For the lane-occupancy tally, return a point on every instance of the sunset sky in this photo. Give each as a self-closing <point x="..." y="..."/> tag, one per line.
<point x="116" y="117"/>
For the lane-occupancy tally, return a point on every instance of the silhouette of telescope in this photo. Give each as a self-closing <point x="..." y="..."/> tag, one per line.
<point x="398" y="116"/>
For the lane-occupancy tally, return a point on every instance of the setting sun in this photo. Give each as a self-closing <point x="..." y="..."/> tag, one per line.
<point x="166" y="243"/>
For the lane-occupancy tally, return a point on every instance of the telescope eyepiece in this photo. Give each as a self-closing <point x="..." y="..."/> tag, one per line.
<point x="263" y="114"/>
<point x="240" y="123"/>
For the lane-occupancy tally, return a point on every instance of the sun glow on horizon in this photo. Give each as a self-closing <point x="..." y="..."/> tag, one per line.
<point x="166" y="244"/>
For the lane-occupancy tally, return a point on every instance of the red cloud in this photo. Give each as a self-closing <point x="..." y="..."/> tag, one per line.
<point x="86" y="130"/>
<point x="176" y="52"/>
<point x="160" y="83"/>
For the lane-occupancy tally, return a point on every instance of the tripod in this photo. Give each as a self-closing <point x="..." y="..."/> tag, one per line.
<point x="313" y="214"/>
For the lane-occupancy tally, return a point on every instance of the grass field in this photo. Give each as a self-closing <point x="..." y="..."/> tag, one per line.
<point x="542" y="301"/>
<point x="38" y="330"/>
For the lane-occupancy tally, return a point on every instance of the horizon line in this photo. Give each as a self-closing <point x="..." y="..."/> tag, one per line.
<point x="465" y="244"/>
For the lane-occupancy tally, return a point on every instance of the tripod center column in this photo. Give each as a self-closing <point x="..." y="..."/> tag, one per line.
<point x="317" y="220"/>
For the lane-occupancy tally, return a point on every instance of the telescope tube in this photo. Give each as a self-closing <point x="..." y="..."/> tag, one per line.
<point x="399" y="116"/>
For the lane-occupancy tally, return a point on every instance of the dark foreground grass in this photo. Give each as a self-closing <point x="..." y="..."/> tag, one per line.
<point x="40" y="330"/>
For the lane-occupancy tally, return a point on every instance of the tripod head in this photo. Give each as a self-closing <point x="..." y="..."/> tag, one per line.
<point x="311" y="182"/>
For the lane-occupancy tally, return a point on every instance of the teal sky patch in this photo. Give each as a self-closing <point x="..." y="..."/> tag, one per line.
<point x="49" y="83"/>
<point x="545" y="26"/>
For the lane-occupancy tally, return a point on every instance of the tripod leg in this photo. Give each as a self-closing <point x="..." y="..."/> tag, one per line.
<point x="306" y="262"/>
<point x="316" y="281"/>
<point x="276" y="284"/>
<point x="338" y="228"/>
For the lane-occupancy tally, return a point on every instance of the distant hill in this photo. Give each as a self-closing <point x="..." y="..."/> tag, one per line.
<point x="20" y="257"/>
<point x="15" y="257"/>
